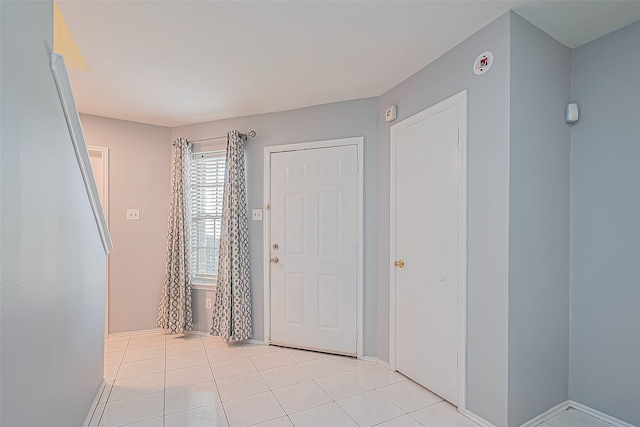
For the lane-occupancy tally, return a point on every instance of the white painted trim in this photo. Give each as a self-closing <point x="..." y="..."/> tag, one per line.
<point x="80" y="147"/>
<point x="199" y="333"/>
<point x="376" y="360"/>
<point x="547" y="415"/>
<point x="141" y="332"/>
<point x="600" y="415"/>
<point x="104" y="155"/>
<point x="359" y="143"/>
<point x="207" y="334"/>
<point x="204" y="287"/>
<point x="94" y="404"/>
<point x="162" y="331"/>
<point x="570" y="404"/>
<point x="461" y="101"/>
<point x="476" y="418"/>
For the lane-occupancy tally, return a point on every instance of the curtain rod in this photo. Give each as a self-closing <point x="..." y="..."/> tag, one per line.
<point x="245" y="136"/>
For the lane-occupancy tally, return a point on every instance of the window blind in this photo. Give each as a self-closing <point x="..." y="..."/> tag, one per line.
<point x="207" y="190"/>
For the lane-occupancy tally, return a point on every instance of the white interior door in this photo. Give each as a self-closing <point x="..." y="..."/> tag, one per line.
<point x="99" y="158"/>
<point x="427" y="243"/>
<point x="314" y="238"/>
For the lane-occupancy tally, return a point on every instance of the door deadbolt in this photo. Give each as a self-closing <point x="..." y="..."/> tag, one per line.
<point x="275" y="247"/>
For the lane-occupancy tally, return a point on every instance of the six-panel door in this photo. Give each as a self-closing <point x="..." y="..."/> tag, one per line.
<point x="313" y="236"/>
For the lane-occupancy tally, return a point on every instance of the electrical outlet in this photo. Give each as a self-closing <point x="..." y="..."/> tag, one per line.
<point x="257" y="214"/>
<point x="208" y="303"/>
<point x="133" y="215"/>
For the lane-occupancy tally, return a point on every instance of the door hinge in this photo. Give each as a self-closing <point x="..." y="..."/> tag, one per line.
<point x="456" y="360"/>
<point x="458" y="136"/>
<point x="357" y="165"/>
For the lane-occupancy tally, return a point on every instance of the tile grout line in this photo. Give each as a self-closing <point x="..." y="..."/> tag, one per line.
<point x="332" y="399"/>
<point x="314" y="380"/>
<point x="270" y="391"/>
<point x="356" y="394"/>
<point x="215" y="382"/>
<point x="144" y="394"/>
<point x="106" y="402"/>
<point x="327" y="394"/>
<point x="310" y="380"/>
<point x="405" y="412"/>
<point x="164" y="385"/>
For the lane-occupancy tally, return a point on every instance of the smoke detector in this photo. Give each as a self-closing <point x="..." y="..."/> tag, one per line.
<point x="483" y="63"/>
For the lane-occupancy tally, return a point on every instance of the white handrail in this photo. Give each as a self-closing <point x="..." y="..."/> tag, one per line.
<point x="80" y="147"/>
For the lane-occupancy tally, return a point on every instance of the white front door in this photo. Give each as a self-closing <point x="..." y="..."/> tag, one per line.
<point x="427" y="242"/>
<point x="313" y="236"/>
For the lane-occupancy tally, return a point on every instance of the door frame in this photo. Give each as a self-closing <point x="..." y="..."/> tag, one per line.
<point x="104" y="155"/>
<point x="460" y="100"/>
<point x="359" y="143"/>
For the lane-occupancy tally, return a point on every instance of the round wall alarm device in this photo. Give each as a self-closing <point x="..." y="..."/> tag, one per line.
<point x="483" y="63"/>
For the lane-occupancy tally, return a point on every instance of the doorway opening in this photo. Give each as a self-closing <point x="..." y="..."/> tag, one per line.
<point x="99" y="157"/>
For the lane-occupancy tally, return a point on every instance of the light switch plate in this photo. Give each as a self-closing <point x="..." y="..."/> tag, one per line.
<point x="133" y="214"/>
<point x="208" y="303"/>
<point x="257" y="215"/>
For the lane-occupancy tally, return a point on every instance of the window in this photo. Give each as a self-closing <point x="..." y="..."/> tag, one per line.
<point x="207" y="188"/>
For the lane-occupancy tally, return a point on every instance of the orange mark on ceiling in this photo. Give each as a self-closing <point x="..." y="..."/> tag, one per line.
<point x="64" y="44"/>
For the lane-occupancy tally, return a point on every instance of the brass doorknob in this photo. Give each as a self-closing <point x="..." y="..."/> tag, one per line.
<point x="399" y="263"/>
<point x="275" y="260"/>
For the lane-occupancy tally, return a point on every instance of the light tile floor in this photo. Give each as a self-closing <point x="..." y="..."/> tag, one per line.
<point x="158" y="380"/>
<point x="189" y="380"/>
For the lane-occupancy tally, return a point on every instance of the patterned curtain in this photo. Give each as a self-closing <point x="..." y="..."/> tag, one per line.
<point x="175" y="313"/>
<point x="232" y="309"/>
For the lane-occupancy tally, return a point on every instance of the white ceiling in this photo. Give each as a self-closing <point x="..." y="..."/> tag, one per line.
<point x="173" y="63"/>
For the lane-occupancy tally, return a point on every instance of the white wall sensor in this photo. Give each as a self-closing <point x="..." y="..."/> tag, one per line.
<point x="483" y="63"/>
<point x="571" y="113"/>
<point x="390" y="115"/>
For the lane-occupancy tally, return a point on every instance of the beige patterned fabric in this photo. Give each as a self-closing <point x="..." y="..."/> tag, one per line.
<point x="232" y="309"/>
<point x="175" y="312"/>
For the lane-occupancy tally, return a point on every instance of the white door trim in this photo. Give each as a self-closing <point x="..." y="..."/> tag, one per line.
<point x="461" y="101"/>
<point x="359" y="143"/>
<point x="104" y="155"/>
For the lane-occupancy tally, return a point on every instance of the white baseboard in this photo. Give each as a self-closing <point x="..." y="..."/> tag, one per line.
<point x="207" y="334"/>
<point x="145" y="331"/>
<point x="476" y="418"/>
<point x="96" y="399"/>
<point x="163" y="331"/>
<point x="200" y="333"/>
<point x="597" y="414"/>
<point x="547" y="415"/>
<point x="570" y="404"/>
<point x="376" y="360"/>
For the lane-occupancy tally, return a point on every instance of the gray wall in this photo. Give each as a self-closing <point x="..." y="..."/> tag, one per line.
<point x="329" y="121"/>
<point x="488" y="203"/>
<point x="140" y="178"/>
<point x="605" y="226"/>
<point x="202" y="317"/>
<point x="52" y="260"/>
<point x="538" y="223"/>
